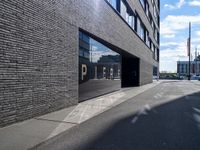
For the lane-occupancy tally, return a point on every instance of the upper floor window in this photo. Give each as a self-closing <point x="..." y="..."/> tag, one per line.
<point x="113" y="3"/>
<point x="152" y="46"/>
<point x="158" y="57"/>
<point x="140" y="29"/>
<point x="147" y="9"/>
<point x="147" y="39"/>
<point x="123" y="10"/>
<point x="158" y="37"/>
<point x="131" y="21"/>
<point x="143" y="3"/>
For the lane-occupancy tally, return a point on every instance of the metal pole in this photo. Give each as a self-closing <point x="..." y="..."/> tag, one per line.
<point x="189" y="49"/>
<point x="196" y="61"/>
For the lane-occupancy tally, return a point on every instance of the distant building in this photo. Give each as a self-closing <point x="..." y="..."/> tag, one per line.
<point x="183" y="67"/>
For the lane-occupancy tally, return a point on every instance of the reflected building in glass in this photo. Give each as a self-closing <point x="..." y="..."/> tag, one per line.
<point x="99" y="68"/>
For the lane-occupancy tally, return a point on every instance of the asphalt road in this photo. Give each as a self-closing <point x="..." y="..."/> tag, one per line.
<point x="166" y="117"/>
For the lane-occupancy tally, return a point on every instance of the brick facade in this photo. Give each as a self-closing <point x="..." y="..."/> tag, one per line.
<point x="39" y="51"/>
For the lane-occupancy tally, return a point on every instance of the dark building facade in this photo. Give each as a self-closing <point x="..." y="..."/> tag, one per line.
<point x="54" y="54"/>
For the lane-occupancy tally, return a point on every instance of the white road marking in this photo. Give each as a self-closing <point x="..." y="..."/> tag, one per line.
<point x="158" y="95"/>
<point x="196" y="109"/>
<point x="134" y="120"/>
<point x="142" y="111"/>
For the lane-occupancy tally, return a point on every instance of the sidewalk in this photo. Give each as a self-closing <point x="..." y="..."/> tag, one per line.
<point x="32" y="132"/>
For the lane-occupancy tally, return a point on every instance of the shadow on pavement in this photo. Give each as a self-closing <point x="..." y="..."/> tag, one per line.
<point x="171" y="126"/>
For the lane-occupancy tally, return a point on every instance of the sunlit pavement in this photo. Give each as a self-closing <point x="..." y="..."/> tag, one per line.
<point x="166" y="117"/>
<point x="27" y="134"/>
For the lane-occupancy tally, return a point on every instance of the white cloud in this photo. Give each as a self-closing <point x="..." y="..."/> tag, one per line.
<point x="195" y="40"/>
<point x="171" y="24"/>
<point x="198" y="33"/>
<point x="173" y="52"/>
<point x="176" y="6"/>
<point x="194" y="3"/>
<point x="169" y="44"/>
<point x="180" y="3"/>
<point x="169" y="36"/>
<point x="170" y="56"/>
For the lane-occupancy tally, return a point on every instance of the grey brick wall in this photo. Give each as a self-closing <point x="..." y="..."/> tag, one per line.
<point x="38" y="60"/>
<point x="39" y="51"/>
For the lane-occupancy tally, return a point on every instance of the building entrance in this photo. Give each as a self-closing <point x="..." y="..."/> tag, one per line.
<point x="130" y="71"/>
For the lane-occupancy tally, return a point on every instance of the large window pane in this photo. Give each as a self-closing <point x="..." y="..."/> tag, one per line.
<point x="123" y="10"/>
<point x="113" y="3"/>
<point x="143" y="3"/>
<point x="142" y="34"/>
<point x="99" y="69"/>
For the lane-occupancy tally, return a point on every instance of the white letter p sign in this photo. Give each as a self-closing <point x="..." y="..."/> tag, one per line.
<point x="84" y="70"/>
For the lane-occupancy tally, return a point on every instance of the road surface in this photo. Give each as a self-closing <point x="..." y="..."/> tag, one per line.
<point x="166" y="117"/>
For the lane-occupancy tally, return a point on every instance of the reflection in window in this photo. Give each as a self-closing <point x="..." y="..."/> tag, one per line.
<point x="113" y="3"/>
<point x="123" y="10"/>
<point x="131" y="21"/>
<point x="143" y="3"/>
<point x="155" y="71"/>
<point x="140" y="29"/>
<point x="152" y="46"/>
<point x="147" y="9"/>
<point x="99" y="68"/>
<point x="147" y="39"/>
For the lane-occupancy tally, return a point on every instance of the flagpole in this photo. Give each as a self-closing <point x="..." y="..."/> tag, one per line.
<point x="189" y="76"/>
<point x="196" y="61"/>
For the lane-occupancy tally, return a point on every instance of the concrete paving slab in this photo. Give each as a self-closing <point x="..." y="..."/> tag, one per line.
<point x="29" y="133"/>
<point x="58" y="115"/>
<point x="106" y="100"/>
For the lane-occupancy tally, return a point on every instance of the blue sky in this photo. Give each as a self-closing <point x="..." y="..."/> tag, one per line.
<point x="174" y="20"/>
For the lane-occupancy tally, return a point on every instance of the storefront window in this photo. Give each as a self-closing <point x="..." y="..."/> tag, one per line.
<point x="99" y="68"/>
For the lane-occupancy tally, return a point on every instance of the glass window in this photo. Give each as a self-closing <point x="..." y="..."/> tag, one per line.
<point x="123" y="10"/>
<point x="140" y="29"/>
<point x="127" y="17"/>
<point x="131" y="21"/>
<point x="99" y="69"/>
<point x="155" y="35"/>
<point x="138" y="26"/>
<point x="147" y="39"/>
<point x="155" y="70"/>
<point x="85" y="38"/>
<point x="143" y="3"/>
<point x="113" y="3"/>
<point x="147" y="9"/>
<point x="156" y="56"/>
<point x="152" y="46"/>
<point x="155" y="12"/>
<point x="142" y="34"/>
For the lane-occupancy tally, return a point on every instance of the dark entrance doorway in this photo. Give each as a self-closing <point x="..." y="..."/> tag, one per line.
<point x="130" y="71"/>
